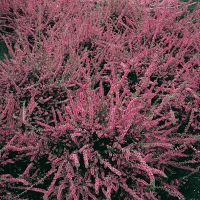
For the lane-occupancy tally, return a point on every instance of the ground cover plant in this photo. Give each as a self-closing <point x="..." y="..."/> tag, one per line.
<point x="99" y="99"/>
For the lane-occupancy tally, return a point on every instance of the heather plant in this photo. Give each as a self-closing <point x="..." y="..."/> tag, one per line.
<point x="99" y="100"/>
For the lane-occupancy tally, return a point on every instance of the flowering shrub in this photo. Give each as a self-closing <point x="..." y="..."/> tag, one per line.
<point x="100" y="100"/>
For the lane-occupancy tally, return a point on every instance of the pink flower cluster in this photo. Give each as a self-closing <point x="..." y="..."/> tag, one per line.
<point x="98" y="99"/>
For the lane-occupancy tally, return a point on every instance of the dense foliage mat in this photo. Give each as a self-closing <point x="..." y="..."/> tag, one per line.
<point x="99" y="99"/>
